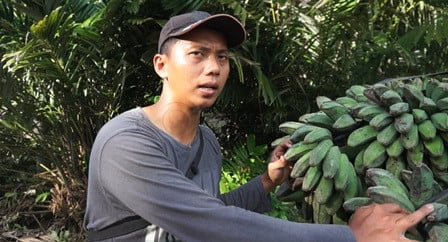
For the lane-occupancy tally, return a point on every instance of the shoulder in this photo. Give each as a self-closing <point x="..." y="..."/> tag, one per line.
<point x="128" y="127"/>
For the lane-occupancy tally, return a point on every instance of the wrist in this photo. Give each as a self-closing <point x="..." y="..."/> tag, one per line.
<point x="268" y="184"/>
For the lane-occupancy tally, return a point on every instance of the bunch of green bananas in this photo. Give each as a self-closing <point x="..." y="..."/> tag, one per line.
<point x="379" y="143"/>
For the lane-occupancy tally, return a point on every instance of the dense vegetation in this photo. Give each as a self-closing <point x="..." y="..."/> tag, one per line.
<point x="68" y="66"/>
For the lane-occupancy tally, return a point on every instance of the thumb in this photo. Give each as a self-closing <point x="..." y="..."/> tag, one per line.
<point x="281" y="162"/>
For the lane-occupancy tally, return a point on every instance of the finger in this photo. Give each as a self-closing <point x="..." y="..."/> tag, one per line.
<point x="282" y="147"/>
<point x="415" y="217"/>
<point x="393" y="208"/>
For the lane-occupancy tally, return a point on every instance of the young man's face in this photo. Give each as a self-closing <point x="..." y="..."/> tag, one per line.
<point x="197" y="67"/>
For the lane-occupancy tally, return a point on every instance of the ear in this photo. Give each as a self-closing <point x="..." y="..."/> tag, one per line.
<point x="160" y="65"/>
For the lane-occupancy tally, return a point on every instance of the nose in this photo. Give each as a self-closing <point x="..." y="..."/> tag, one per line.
<point x="213" y="66"/>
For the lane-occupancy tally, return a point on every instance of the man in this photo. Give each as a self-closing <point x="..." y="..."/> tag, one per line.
<point x="154" y="171"/>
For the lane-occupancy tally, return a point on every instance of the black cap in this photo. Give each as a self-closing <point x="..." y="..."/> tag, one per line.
<point x="178" y="25"/>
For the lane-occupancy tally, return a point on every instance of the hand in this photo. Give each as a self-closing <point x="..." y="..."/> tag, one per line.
<point x="385" y="222"/>
<point x="278" y="168"/>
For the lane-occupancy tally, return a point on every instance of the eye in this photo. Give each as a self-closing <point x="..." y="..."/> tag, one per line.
<point x="196" y="53"/>
<point x="223" y="57"/>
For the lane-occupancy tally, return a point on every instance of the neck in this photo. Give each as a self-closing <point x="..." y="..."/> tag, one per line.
<point x="175" y="118"/>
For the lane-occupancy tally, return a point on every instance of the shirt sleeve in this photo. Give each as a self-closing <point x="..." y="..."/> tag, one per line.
<point x="250" y="196"/>
<point x="136" y="176"/>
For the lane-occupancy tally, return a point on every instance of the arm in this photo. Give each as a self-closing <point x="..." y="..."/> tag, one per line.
<point x="147" y="184"/>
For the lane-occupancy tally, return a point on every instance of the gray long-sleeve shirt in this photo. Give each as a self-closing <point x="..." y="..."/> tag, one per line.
<point x="137" y="169"/>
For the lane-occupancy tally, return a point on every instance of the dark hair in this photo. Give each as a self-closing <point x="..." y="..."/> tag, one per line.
<point x="166" y="46"/>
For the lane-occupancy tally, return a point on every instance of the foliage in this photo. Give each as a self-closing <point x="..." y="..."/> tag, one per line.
<point x="68" y="66"/>
<point x="66" y="85"/>
<point x="247" y="160"/>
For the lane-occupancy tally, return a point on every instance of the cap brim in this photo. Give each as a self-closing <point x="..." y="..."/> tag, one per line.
<point x="232" y="29"/>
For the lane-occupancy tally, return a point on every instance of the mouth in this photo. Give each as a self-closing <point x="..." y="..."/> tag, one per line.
<point x="208" y="89"/>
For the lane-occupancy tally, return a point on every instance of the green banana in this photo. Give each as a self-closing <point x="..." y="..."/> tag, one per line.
<point x="354" y="110"/>
<point x="362" y="187"/>
<point x="374" y="155"/>
<point x="398" y="108"/>
<point x="311" y="178"/>
<point x="322" y="99"/>
<point x="379" y="89"/>
<point x="435" y="147"/>
<point x="415" y="156"/>
<point x="440" y="213"/>
<point x="320" y="214"/>
<point x="438" y="232"/>
<point x="323" y="190"/>
<point x="403" y="123"/>
<point x="355" y="90"/>
<point x="300" y="132"/>
<point x="279" y="140"/>
<point x="444" y="136"/>
<point x="406" y="177"/>
<point x="419" y="115"/>
<point x="320" y="151"/>
<point x="437" y="188"/>
<point x="395" y="165"/>
<point x="411" y="139"/>
<point x="347" y="102"/>
<point x="301" y="166"/>
<point x="440" y="163"/>
<point x="317" y="135"/>
<point x="395" y="149"/>
<point x="352" y="204"/>
<point x="427" y="130"/>
<point x="289" y="127"/>
<point x="330" y="165"/>
<point x="430" y="86"/>
<point x="383" y="194"/>
<point x="440" y="121"/>
<point x="428" y="105"/>
<point x="344" y="123"/>
<point x="442" y="176"/>
<point x="352" y="187"/>
<point x="390" y="97"/>
<point x="382" y="177"/>
<point x="333" y="109"/>
<point x="440" y="92"/>
<point x="380" y="121"/>
<point x="361" y="136"/>
<point x="318" y="118"/>
<point x="297" y="150"/>
<point x="341" y="179"/>
<point x="413" y="95"/>
<point x="422" y="181"/>
<point x="296" y="183"/>
<point x="359" y="162"/>
<point x="442" y="104"/>
<point x="370" y="94"/>
<point x="369" y="112"/>
<point x="334" y="203"/>
<point x="387" y="135"/>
